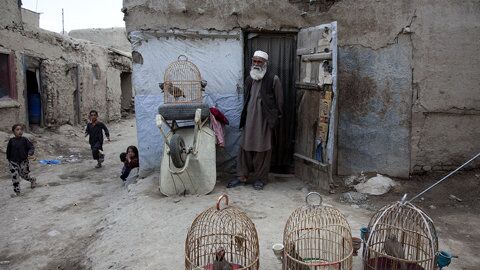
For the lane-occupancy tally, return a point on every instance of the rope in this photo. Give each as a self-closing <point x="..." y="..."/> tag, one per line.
<point x="445" y="177"/>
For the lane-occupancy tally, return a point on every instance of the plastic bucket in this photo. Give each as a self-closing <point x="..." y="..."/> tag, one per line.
<point x="34" y="108"/>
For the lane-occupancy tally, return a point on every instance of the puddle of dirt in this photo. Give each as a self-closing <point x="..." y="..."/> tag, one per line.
<point x="67" y="264"/>
<point x="5" y="256"/>
<point x="79" y="204"/>
<point x="53" y="184"/>
<point x="63" y="176"/>
<point x="43" y="198"/>
<point x="66" y="207"/>
<point x="73" y="257"/>
<point x="256" y="214"/>
<point x="13" y="259"/>
<point x="74" y="175"/>
<point x="154" y="193"/>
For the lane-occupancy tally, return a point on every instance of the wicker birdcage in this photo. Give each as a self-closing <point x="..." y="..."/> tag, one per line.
<point x="400" y="236"/>
<point x="227" y="229"/>
<point x="182" y="82"/>
<point x="317" y="237"/>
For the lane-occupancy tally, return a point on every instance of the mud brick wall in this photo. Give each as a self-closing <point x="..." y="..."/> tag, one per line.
<point x="408" y="71"/>
<point x="65" y="64"/>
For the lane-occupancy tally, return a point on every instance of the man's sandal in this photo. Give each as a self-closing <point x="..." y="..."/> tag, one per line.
<point x="235" y="182"/>
<point x="258" y="185"/>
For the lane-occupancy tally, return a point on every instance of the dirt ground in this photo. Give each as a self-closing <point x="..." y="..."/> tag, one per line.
<point x="83" y="218"/>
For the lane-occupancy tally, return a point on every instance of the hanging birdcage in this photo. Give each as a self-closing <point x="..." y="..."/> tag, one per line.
<point x="317" y="237"/>
<point x="400" y="237"/>
<point x="220" y="236"/>
<point x="182" y="82"/>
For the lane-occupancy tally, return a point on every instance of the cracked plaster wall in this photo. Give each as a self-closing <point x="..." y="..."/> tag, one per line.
<point x="445" y="79"/>
<point x="374" y="109"/>
<point x="11" y="12"/>
<point x="109" y="37"/>
<point x="418" y="92"/>
<point x="446" y="84"/>
<point x="30" y="19"/>
<point x="210" y="14"/>
<point x="60" y="57"/>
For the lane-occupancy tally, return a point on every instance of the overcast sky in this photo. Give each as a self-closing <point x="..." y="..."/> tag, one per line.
<point x="79" y="14"/>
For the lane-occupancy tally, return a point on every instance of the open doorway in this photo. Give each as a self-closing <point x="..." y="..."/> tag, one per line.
<point x="33" y="92"/>
<point x="34" y="98"/>
<point x="127" y="92"/>
<point x="281" y="48"/>
<point x="306" y="64"/>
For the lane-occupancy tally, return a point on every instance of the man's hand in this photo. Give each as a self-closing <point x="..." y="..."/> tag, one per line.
<point x="108" y="139"/>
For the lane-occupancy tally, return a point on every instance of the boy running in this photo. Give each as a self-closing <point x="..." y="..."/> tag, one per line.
<point x="19" y="149"/>
<point x="95" y="130"/>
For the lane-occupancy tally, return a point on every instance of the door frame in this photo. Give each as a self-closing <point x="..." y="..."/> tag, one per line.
<point x="293" y="32"/>
<point x="32" y="63"/>
<point x="247" y="31"/>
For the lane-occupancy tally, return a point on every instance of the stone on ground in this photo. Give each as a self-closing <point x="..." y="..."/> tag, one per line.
<point x="377" y="185"/>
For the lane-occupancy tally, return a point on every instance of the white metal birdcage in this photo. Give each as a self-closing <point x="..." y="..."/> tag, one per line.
<point x="228" y="229"/>
<point x="317" y="237"/>
<point x="182" y="82"/>
<point x="400" y="236"/>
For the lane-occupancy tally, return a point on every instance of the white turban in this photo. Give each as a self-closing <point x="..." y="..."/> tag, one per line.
<point x="261" y="54"/>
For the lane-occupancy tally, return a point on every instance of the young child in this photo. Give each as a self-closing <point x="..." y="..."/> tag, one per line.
<point x="95" y="130"/>
<point x="19" y="149"/>
<point x="130" y="161"/>
<point x="123" y="159"/>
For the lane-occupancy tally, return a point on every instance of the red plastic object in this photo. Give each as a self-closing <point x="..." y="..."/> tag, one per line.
<point x="219" y="115"/>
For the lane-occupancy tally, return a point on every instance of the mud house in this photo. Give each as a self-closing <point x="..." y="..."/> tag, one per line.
<point x="405" y="77"/>
<point x="48" y="79"/>
<point x="115" y="37"/>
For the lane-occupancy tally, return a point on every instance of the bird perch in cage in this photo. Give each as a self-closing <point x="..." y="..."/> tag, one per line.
<point x="317" y="237"/>
<point x="182" y="82"/>
<point x="222" y="238"/>
<point x="400" y="237"/>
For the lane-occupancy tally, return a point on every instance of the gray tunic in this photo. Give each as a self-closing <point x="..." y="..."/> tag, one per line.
<point x="256" y="135"/>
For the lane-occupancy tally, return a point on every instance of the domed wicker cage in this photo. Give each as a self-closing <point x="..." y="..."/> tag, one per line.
<point x="317" y="237"/>
<point x="182" y="82"/>
<point x="228" y="229"/>
<point x="400" y="237"/>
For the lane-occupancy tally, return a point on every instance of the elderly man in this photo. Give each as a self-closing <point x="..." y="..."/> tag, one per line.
<point x="262" y="109"/>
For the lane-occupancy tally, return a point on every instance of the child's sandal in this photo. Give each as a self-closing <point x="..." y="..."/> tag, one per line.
<point x="33" y="184"/>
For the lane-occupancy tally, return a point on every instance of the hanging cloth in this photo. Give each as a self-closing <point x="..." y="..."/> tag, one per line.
<point x="218" y="122"/>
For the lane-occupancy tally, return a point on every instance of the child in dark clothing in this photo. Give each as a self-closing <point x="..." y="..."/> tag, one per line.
<point x="19" y="149"/>
<point x="95" y="130"/>
<point x="123" y="159"/>
<point x="130" y="161"/>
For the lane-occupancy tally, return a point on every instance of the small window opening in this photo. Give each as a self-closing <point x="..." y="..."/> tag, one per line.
<point x="7" y="87"/>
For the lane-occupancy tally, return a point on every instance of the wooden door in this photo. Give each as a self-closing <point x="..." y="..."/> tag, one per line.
<point x="316" y="91"/>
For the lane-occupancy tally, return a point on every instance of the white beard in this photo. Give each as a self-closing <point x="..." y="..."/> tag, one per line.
<point x="257" y="73"/>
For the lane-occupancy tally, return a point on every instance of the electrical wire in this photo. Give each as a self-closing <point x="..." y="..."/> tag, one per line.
<point x="445" y="177"/>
